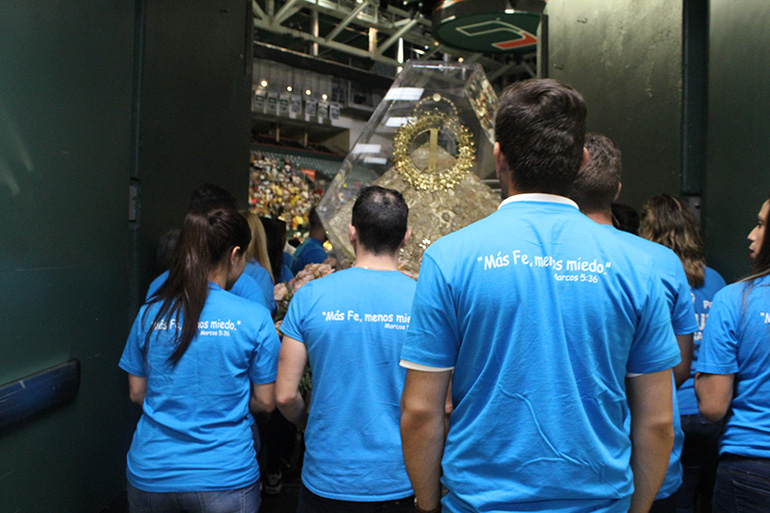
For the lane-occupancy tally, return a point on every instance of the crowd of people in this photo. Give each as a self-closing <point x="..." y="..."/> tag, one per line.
<point x="559" y="355"/>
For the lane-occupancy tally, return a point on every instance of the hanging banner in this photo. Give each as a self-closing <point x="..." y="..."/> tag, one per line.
<point x="283" y="105"/>
<point x="272" y="103"/>
<point x="311" y="108"/>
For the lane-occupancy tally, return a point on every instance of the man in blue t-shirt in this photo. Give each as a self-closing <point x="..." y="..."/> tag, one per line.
<point x="311" y="251"/>
<point x="351" y="325"/>
<point x="594" y="190"/>
<point x="553" y="331"/>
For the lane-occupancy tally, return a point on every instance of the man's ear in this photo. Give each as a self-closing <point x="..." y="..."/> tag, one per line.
<point x="352" y="234"/>
<point x="586" y="158"/>
<point x="407" y="237"/>
<point x="617" y="195"/>
<point x="500" y="163"/>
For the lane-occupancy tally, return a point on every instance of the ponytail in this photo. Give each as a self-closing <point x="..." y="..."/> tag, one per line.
<point x="205" y="241"/>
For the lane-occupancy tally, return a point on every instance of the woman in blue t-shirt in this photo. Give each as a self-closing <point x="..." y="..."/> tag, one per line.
<point x="199" y="358"/>
<point x="668" y="220"/>
<point x="733" y="382"/>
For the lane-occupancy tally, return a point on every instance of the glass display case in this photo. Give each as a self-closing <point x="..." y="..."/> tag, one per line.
<point x="431" y="138"/>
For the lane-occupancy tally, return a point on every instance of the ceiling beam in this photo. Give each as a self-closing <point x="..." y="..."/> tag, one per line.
<point x="395" y="36"/>
<point x="346" y="21"/>
<point x="287" y="10"/>
<point x="334" y="45"/>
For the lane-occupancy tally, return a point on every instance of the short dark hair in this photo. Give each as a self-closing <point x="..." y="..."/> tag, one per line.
<point x="380" y="217"/>
<point x="540" y="125"/>
<point x="210" y="196"/>
<point x="314" y="218"/>
<point x="595" y="187"/>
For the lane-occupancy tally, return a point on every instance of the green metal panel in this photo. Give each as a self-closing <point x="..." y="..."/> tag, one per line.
<point x="65" y="114"/>
<point x="195" y="122"/>
<point x="89" y="99"/>
<point x="625" y="57"/>
<point x="738" y="180"/>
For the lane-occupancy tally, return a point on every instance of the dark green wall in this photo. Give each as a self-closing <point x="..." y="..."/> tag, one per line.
<point x="625" y="57"/>
<point x="94" y="93"/>
<point x="65" y="124"/>
<point x="195" y="111"/>
<point x="738" y="175"/>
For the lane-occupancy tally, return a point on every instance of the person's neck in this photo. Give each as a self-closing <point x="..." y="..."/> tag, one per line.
<point x="383" y="262"/>
<point x="219" y="276"/>
<point x="601" y="216"/>
<point x="318" y="234"/>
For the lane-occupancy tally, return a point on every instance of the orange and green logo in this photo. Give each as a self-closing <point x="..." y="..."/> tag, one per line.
<point x="482" y="27"/>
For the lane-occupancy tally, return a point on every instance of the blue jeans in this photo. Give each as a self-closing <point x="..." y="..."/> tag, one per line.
<point x="312" y="503"/>
<point x="241" y="500"/>
<point x="700" y="456"/>
<point x="742" y="485"/>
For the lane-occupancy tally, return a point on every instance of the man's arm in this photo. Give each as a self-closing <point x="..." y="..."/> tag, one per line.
<point x="423" y="410"/>
<point x="682" y="371"/>
<point x="291" y="364"/>
<point x="137" y="388"/>
<point x="652" y="434"/>
<point x="714" y="393"/>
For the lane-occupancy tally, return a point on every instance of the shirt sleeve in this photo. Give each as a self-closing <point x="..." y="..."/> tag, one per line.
<point x="133" y="359"/>
<point x="433" y="337"/>
<point x="719" y="347"/>
<point x="683" y="315"/>
<point x="654" y="347"/>
<point x="264" y="358"/>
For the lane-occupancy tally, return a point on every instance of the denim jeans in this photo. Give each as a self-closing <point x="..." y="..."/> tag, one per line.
<point x="312" y="503"/>
<point x="241" y="500"/>
<point x="742" y="485"/>
<point x="700" y="456"/>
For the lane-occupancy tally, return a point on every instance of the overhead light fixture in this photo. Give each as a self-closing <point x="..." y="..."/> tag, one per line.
<point x="263" y="83"/>
<point x="366" y="148"/>
<point x="405" y="93"/>
<point x="398" y="122"/>
<point x="308" y="92"/>
<point x="289" y="88"/>
<point x="324" y="96"/>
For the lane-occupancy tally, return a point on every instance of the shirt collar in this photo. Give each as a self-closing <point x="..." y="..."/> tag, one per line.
<point x="540" y="197"/>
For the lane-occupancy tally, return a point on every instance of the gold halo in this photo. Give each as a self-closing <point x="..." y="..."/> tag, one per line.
<point x="419" y="178"/>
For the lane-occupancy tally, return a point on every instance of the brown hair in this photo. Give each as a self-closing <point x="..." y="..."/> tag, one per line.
<point x="540" y="125"/>
<point x="668" y="220"/>
<point x="205" y="241"/>
<point x="597" y="184"/>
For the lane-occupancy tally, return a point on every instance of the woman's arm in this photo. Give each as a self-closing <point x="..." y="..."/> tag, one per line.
<point x="137" y="389"/>
<point x="714" y="393"/>
<point x="262" y="398"/>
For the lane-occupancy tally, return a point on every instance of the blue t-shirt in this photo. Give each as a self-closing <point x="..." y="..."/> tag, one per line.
<point x="542" y="313"/>
<point x="244" y="287"/>
<point x="680" y="306"/>
<point x="286" y="274"/>
<point x="735" y="341"/>
<point x="701" y="299"/>
<point x="261" y="277"/>
<point x="311" y="251"/>
<point x="195" y="430"/>
<point x="353" y="324"/>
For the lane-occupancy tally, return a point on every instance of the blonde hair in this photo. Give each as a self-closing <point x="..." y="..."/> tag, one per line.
<point x="668" y="220"/>
<point x="257" y="249"/>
